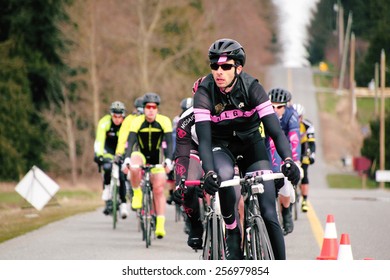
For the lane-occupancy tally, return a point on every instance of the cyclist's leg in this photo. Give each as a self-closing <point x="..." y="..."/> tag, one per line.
<point x="122" y="196"/>
<point x="136" y="158"/>
<point x="305" y="187"/>
<point x="224" y="164"/>
<point x="106" y="194"/>
<point x="191" y="205"/>
<point x="159" y="180"/>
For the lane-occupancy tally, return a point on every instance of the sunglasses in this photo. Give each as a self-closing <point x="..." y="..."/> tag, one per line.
<point x="225" y="67"/>
<point x="117" y="116"/>
<point x="154" y="107"/>
<point x="278" y="106"/>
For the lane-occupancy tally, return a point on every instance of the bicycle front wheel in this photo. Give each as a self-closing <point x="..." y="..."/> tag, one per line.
<point x="114" y="205"/>
<point x="207" y="239"/>
<point x="260" y="245"/>
<point x="147" y="218"/>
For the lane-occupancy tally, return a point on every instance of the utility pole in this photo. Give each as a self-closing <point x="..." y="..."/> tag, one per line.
<point x="352" y="79"/>
<point x="345" y="51"/>
<point x="376" y="88"/>
<point x="340" y="29"/>
<point x="382" y="118"/>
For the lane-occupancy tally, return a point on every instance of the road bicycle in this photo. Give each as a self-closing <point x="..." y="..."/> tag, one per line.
<point x="146" y="215"/>
<point x="214" y="244"/>
<point x="115" y="185"/>
<point x="257" y="245"/>
<point x="114" y="190"/>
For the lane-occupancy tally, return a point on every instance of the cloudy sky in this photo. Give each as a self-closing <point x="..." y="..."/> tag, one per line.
<point x="294" y="18"/>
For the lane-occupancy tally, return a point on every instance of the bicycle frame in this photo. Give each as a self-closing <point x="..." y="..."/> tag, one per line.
<point x="214" y="245"/>
<point x="257" y="245"/>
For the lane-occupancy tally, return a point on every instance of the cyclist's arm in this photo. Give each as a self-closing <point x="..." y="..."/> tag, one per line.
<point x="202" y="112"/>
<point x="168" y="150"/>
<point x="102" y="128"/>
<point x="203" y="130"/>
<point x="123" y="134"/>
<point x="132" y="139"/>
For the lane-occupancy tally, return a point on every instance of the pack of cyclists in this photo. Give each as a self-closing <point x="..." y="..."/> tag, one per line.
<point x="217" y="130"/>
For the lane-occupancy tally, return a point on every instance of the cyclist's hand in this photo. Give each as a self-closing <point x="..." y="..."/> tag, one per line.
<point x="168" y="164"/>
<point x="126" y="165"/>
<point x="99" y="160"/>
<point x="212" y="182"/>
<point x="199" y="192"/>
<point x="291" y="171"/>
<point x="178" y="196"/>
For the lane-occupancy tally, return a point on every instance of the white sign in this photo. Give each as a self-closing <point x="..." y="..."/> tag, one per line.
<point x="37" y="188"/>
<point x="382" y="175"/>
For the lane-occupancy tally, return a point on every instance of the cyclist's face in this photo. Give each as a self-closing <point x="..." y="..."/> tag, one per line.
<point x="150" y="111"/>
<point x="224" y="77"/>
<point x="279" y="108"/>
<point x="117" y="119"/>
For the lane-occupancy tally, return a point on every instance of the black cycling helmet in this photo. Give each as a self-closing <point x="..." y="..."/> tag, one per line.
<point x="279" y="95"/>
<point x="117" y="107"/>
<point x="139" y="102"/>
<point x="186" y="103"/>
<point x="151" y="97"/>
<point x="229" y="47"/>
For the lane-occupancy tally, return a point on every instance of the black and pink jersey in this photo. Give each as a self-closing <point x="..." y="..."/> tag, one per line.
<point x="234" y="115"/>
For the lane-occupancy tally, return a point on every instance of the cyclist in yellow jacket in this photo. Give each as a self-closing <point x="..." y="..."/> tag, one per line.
<point x="308" y="148"/>
<point x="105" y="146"/>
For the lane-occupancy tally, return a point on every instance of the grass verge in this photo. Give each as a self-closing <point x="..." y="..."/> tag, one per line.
<point x="18" y="217"/>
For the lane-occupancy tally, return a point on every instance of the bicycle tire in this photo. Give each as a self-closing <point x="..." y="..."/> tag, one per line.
<point x="147" y="220"/>
<point x="260" y="242"/>
<point x="206" y="254"/>
<point x="296" y="204"/>
<point x="114" y="205"/>
<point x="215" y="238"/>
<point x="221" y="239"/>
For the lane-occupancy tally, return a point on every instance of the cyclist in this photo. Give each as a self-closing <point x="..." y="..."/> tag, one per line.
<point x="105" y="146"/>
<point x="289" y="122"/>
<point x="229" y="106"/>
<point x="308" y="147"/>
<point x="148" y="130"/>
<point x="187" y="165"/>
<point x="184" y="105"/>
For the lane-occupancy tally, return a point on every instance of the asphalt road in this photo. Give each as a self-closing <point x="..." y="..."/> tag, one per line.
<point x="362" y="214"/>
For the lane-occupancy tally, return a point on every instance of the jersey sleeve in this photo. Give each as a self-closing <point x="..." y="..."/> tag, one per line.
<point x="103" y="126"/>
<point x="123" y="134"/>
<point x="183" y="148"/>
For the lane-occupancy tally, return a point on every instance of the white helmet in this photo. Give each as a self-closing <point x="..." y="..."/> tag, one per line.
<point x="299" y="108"/>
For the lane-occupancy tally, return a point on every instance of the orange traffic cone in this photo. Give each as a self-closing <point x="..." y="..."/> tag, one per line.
<point x="345" y="250"/>
<point x="329" y="245"/>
